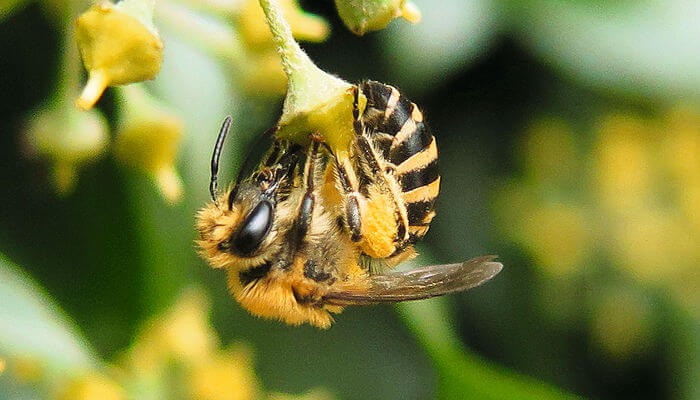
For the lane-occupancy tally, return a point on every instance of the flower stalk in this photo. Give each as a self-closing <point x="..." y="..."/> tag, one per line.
<point x="316" y="102"/>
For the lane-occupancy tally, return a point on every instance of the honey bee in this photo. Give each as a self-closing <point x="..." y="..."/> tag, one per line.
<point x="296" y="234"/>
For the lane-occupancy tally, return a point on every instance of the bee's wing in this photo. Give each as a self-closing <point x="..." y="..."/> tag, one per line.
<point x="420" y="283"/>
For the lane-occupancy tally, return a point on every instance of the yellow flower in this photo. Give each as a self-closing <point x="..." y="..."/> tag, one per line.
<point x="91" y="387"/>
<point x="182" y="334"/>
<point x="148" y="138"/>
<point x="3" y="364"/>
<point x="623" y="163"/>
<point x="119" y="45"/>
<point x="68" y="138"/>
<point x="225" y="376"/>
<point x="559" y="236"/>
<point x="186" y="331"/>
<point x="362" y="16"/>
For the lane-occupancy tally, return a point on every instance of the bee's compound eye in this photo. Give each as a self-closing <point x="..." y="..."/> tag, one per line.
<point x="253" y="230"/>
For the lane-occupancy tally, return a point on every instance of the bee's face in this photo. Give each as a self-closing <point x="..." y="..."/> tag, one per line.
<point x="241" y="233"/>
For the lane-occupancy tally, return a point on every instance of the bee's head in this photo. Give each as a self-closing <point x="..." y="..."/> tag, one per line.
<point x="238" y="229"/>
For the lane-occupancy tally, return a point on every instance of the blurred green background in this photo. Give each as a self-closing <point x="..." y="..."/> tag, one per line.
<point x="569" y="136"/>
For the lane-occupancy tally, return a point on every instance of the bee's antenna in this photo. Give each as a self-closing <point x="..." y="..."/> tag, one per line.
<point x="225" y="127"/>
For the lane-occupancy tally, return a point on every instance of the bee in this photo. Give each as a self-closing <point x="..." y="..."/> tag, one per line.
<point x="295" y="235"/>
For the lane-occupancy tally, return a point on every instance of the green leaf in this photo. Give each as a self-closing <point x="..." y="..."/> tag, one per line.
<point x="31" y="325"/>
<point x="462" y="374"/>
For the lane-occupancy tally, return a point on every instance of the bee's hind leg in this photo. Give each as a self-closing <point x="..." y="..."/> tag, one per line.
<point x="350" y="186"/>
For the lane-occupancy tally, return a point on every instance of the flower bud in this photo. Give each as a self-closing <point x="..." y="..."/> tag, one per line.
<point x="68" y="138"/>
<point x="148" y="137"/>
<point x="362" y="16"/>
<point x="119" y="45"/>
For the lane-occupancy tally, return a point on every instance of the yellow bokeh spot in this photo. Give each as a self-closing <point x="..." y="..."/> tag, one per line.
<point x="645" y="188"/>
<point x="680" y="152"/>
<point x="690" y="203"/>
<point x="182" y="334"/>
<point x="186" y="329"/>
<point x="642" y="245"/>
<point x="26" y="369"/>
<point x="550" y="151"/>
<point x="559" y="236"/>
<point x="226" y="376"/>
<point x="410" y="12"/>
<point x="623" y="163"/>
<point x="680" y="147"/>
<point x="91" y="387"/>
<point x="621" y="327"/>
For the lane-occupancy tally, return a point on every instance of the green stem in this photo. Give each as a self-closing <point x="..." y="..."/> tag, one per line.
<point x="68" y="82"/>
<point x="316" y="101"/>
<point x="293" y="57"/>
<point x="462" y="373"/>
<point x="308" y="86"/>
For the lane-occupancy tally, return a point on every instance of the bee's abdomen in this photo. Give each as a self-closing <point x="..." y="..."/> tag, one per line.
<point x="396" y="128"/>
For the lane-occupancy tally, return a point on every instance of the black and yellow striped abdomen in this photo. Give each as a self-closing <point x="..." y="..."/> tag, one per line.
<point x="395" y="128"/>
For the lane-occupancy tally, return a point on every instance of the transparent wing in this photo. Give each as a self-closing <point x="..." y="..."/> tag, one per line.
<point x="420" y="283"/>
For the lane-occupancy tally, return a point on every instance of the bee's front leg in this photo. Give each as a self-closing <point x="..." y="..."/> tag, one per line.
<point x="308" y="201"/>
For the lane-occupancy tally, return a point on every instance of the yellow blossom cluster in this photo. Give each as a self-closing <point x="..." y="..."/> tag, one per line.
<point x="630" y="196"/>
